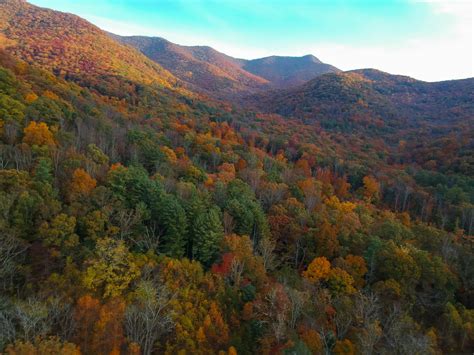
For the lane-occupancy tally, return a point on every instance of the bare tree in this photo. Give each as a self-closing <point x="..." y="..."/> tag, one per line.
<point x="10" y="250"/>
<point x="228" y="222"/>
<point x="7" y="325"/>
<point x="60" y="316"/>
<point x="236" y="271"/>
<point x="344" y="316"/>
<point x="32" y="318"/>
<point x="149" y="240"/>
<point x="402" y="335"/>
<point x="148" y="317"/>
<point x="297" y="302"/>
<point x="265" y="248"/>
<point x="126" y="219"/>
<point x="274" y="311"/>
<point x="366" y="313"/>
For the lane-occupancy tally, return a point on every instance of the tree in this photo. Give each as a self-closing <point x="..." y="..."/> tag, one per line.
<point x="38" y="134"/>
<point x="82" y="183"/>
<point x="371" y="190"/>
<point x="339" y="282"/>
<point x="59" y="232"/>
<point x="108" y="330"/>
<point x="318" y="270"/>
<point x="208" y="232"/>
<point x="42" y="346"/>
<point x="99" y="326"/>
<point x="148" y="317"/>
<point x="173" y="223"/>
<point x="112" y="268"/>
<point x="344" y="347"/>
<point x="11" y="252"/>
<point x="86" y="314"/>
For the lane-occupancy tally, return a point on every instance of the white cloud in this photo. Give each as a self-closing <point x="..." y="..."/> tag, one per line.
<point x="183" y="38"/>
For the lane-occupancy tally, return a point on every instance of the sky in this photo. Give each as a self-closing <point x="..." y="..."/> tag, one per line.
<point x="430" y="40"/>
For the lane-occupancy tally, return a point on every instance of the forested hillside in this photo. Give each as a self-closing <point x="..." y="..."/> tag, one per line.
<point x="223" y="77"/>
<point x="137" y="217"/>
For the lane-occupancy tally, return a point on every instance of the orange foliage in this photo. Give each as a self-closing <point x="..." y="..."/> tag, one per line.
<point x="303" y="166"/>
<point x="226" y="172"/>
<point x="82" y="183"/>
<point x="99" y="326"/>
<point x="312" y="339"/>
<point x="38" y="134"/>
<point x="108" y="334"/>
<point x="86" y="314"/>
<point x="31" y="97"/>
<point x="318" y="270"/>
<point x="344" y="347"/>
<point x="224" y="267"/>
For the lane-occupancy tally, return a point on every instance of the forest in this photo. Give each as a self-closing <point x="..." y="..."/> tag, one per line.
<point x="138" y="217"/>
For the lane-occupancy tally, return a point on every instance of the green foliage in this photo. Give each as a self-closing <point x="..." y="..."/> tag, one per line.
<point x="172" y="221"/>
<point x="208" y="232"/>
<point x="146" y="195"/>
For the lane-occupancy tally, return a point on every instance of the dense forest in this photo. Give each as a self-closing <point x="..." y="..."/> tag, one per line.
<point x="139" y="217"/>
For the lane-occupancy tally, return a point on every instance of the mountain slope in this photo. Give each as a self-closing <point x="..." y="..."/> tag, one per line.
<point x="72" y="47"/>
<point x="203" y="67"/>
<point x="288" y="71"/>
<point x="373" y="99"/>
<point x="225" y="77"/>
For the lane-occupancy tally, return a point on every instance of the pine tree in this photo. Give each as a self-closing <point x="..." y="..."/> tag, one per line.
<point x="172" y="220"/>
<point x="208" y="232"/>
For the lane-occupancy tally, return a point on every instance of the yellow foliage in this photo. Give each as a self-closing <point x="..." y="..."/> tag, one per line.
<point x="112" y="269"/>
<point x="339" y="281"/>
<point x="52" y="345"/>
<point x="371" y="189"/>
<point x="38" y="134"/>
<point x="170" y="154"/>
<point x="343" y="207"/>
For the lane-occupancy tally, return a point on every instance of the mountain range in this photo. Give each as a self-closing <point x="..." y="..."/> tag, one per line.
<point x="220" y="75"/>
<point x="165" y="199"/>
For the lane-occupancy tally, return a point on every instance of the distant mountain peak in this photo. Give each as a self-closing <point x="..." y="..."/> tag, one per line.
<point x="223" y="76"/>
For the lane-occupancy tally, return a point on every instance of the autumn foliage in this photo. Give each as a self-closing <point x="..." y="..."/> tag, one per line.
<point x="137" y="217"/>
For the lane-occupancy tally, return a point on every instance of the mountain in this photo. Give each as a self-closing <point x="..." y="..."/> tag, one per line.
<point x="138" y="217"/>
<point x="372" y="98"/>
<point x="222" y="76"/>
<point x="204" y="68"/>
<point x="72" y="47"/>
<point x="288" y="71"/>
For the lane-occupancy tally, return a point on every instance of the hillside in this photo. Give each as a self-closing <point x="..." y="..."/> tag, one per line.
<point x="206" y="69"/>
<point x="137" y="217"/>
<point x="72" y="47"/>
<point x="372" y="99"/>
<point x="225" y="77"/>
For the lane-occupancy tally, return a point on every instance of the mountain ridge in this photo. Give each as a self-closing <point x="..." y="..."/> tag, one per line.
<point x="223" y="76"/>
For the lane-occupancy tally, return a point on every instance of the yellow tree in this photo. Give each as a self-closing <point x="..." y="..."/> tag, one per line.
<point x="112" y="269"/>
<point x="371" y="190"/>
<point x="38" y="134"/>
<point x="52" y="345"/>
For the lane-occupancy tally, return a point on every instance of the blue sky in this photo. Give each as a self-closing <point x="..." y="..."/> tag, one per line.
<point x="427" y="39"/>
